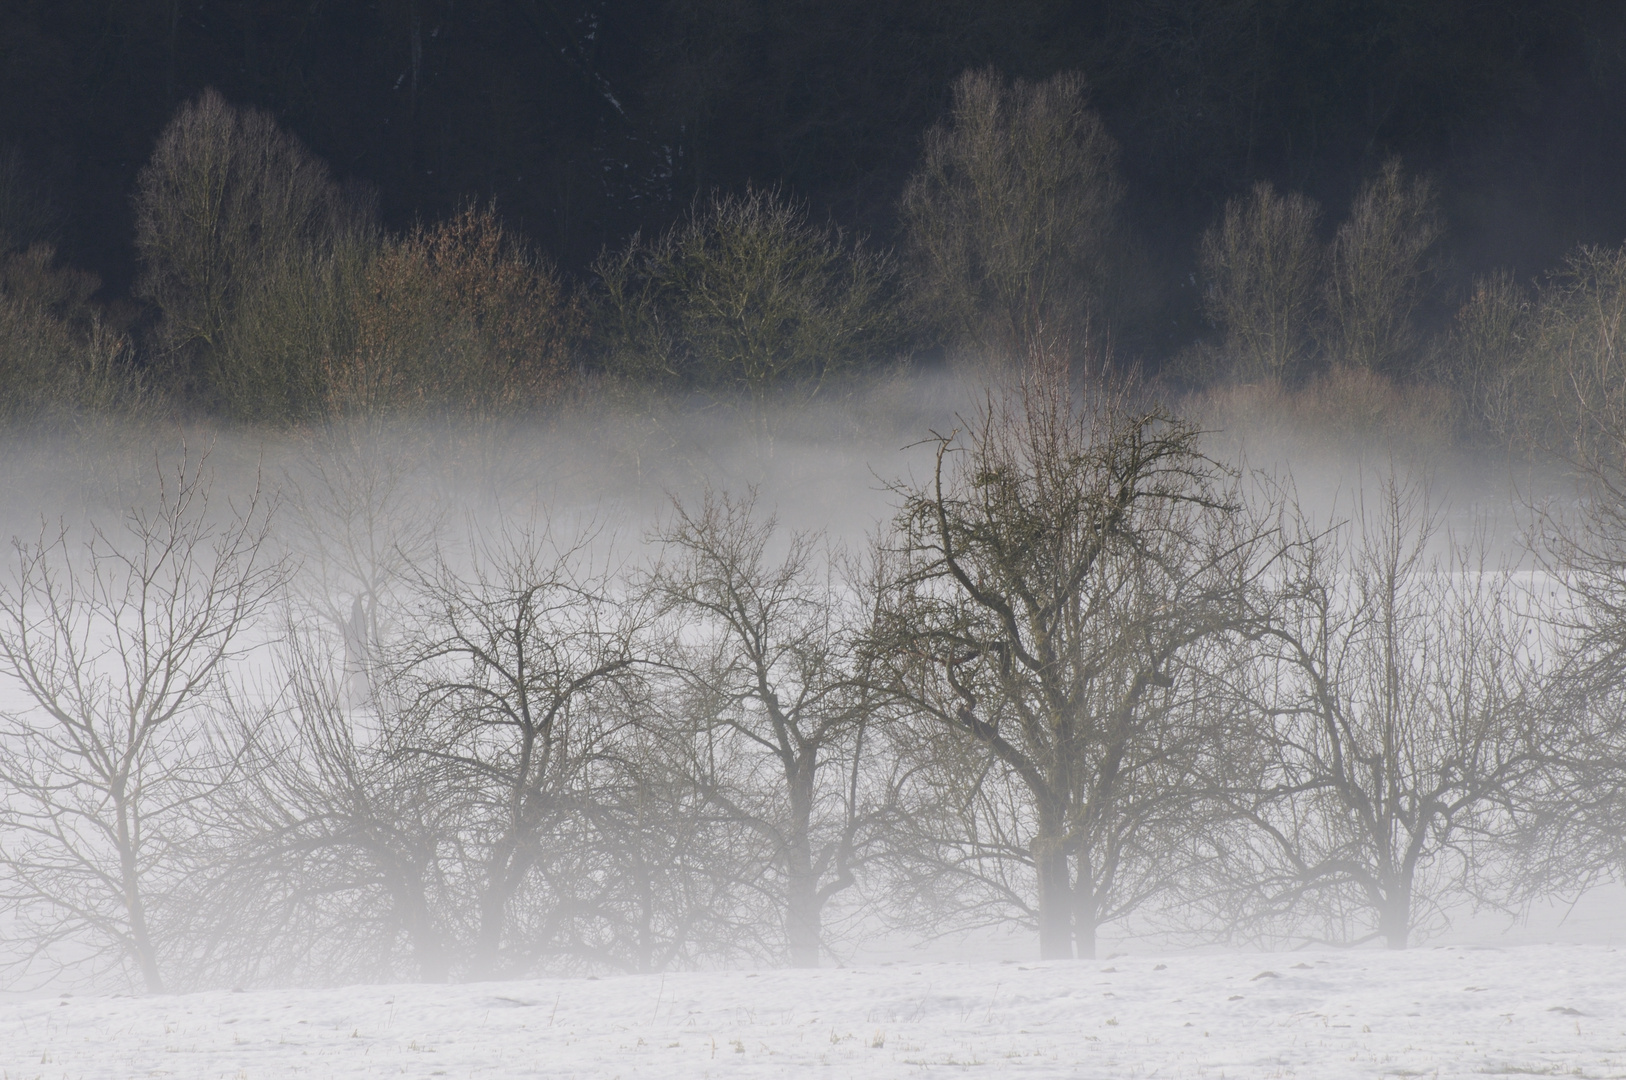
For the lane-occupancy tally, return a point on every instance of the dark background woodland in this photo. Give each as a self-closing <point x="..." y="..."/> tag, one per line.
<point x="590" y="119"/>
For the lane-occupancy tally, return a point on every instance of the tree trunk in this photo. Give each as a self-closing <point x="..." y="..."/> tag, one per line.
<point x="146" y="956"/>
<point x="1055" y="890"/>
<point x="802" y="916"/>
<point x="427" y="951"/>
<point x="1085" y="933"/>
<point x="1084" y="921"/>
<point x="1394" y="918"/>
<point x="135" y="907"/>
<point x="493" y="914"/>
<point x="802" y="922"/>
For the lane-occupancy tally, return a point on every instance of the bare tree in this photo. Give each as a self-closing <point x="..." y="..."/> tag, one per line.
<point x="327" y="849"/>
<point x="1565" y="388"/>
<point x="357" y="523"/>
<point x="118" y="644"/>
<point x="1380" y="270"/>
<point x="242" y="232"/>
<point x="747" y="294"/>
<point x="1063" y="568"/>
<point x="1011" y="215"/>
<point x="1574" y="834"/>
<point x="1396" y="732"/>
<point x="781" y="711"/>
<point x="515" y="666"/>
<point x="1262" y="265"/>
<point x="1486" y="360"/>
<point x="375" y="830"/>
<point x="334" y="842"/>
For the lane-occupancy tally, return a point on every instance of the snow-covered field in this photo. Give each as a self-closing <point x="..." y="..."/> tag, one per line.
<point x="1541" y="1010"/>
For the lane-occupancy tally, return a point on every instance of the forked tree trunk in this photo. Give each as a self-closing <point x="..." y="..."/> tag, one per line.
<point x="1084" y="920"/>
<point x="140" y="937"/>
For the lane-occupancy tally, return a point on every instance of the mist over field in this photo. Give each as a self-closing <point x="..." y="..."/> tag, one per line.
<point x="314" y="789"/>
<point x="372" y="552"/>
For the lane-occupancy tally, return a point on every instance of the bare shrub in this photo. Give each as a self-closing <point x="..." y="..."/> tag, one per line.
<point x="1011" y="217"/>
<point x="657" y="883"/>
<point x="1381" y="272"/>
<point x="746" y="294"/>
<point x="1351" y="405"/>
<point x="1341" y="411"/>
<point x="1262" y="266"/>
<point x="57" y="356"/>
<point x="332" y="844"/>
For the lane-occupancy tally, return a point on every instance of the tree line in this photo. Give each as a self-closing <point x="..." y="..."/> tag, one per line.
<point x="588" y="120"/>
<point x="272" y="295"/>
<point x="1087" y="676"/>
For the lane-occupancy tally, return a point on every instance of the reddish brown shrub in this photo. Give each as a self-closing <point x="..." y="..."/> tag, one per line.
<point x="459" y="316"/>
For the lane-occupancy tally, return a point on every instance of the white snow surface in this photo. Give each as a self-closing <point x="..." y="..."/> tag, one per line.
<point x="1542" y="1010"/>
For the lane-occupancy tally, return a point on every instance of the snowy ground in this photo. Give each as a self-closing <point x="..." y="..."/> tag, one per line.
<point x="1541" y="1010"/>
